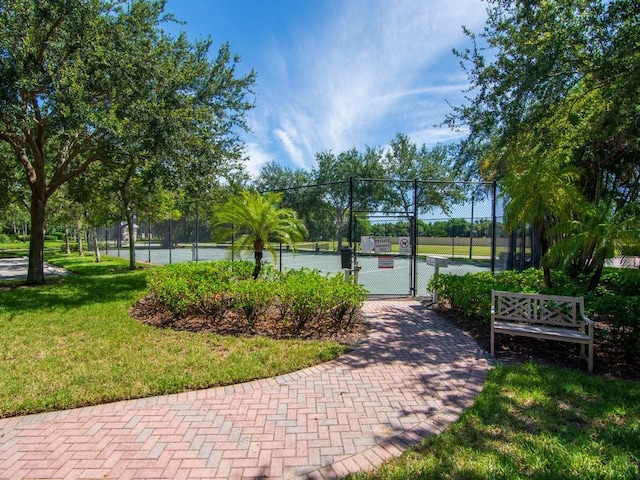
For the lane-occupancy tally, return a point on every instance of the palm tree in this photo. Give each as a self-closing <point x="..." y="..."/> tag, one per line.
<point x="539" y="193"/>
<point x="256" y="220"/>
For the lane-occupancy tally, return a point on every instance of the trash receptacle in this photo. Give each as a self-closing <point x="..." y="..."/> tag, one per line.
<point x="345" y="257"/>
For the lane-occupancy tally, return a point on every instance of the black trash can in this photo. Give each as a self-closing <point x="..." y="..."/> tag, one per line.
<point x="345" y="257"/>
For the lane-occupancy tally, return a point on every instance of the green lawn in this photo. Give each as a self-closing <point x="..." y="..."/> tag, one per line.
<point x="533" y="422"/>
<point x="72" y="343"/>
<point x="21" y="249"/>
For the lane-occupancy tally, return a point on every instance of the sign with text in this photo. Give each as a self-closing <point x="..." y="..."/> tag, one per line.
<point x="383" y="244"/>
<point x="385" y="262"/>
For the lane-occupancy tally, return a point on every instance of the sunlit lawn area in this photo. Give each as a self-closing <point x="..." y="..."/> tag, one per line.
<point x="534" y="422"/>
<point x="72" y="343"/>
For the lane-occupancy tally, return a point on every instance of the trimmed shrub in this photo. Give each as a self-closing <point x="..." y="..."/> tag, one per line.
<point x="616" y="301"/>
<point x="214" y="288"/>
<point x="304" y="296"/>
<point x="197" y="287"/>
<point x="252" y="297"/>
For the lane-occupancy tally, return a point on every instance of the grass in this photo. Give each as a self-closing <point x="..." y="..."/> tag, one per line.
<point x="73" y="343"/>
<point x="21" y="249"/>
<point x="533" y="422"/>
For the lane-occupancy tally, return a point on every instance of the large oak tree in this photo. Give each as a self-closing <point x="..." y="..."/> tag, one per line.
<point x="92" y="82"/>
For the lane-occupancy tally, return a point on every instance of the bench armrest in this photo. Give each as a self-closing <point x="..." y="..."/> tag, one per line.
<point x="587" y="320"/>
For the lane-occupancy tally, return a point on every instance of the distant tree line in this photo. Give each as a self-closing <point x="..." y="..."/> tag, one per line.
<point x="104" y="117"/>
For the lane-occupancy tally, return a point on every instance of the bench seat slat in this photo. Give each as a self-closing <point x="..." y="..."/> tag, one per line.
<point x="549" y="333"/>
<point x="549" y="317"/>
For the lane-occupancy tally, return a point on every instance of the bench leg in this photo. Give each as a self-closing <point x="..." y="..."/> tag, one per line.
<point x="493" y="352"/>
<point x="587" y="356"/>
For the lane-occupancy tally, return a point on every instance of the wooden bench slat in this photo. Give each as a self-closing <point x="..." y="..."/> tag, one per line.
<point x="550" y="317"/>
<point x="550" y="333"/>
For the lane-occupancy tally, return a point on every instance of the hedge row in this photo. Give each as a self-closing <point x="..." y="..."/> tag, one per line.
<point x="215" y="288"/>
<point x="615" y="302"/>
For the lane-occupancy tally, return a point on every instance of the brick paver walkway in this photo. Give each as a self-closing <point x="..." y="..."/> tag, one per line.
<point x="412" y="377"/>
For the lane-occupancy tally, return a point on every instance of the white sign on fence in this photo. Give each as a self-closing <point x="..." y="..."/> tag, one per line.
<point x="385" y="262"/>
<point x="383" y="244"/>
<point x="405" y="245"/>
<point x="367" y="244"/>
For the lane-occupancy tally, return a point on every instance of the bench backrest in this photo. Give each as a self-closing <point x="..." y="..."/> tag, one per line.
<point x="554" y="310"/>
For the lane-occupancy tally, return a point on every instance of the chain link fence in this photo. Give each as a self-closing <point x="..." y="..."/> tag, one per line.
<point x="390" y="236"/>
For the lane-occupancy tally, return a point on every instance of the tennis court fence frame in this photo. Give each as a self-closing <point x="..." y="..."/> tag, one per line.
<point x="356" y="206"/>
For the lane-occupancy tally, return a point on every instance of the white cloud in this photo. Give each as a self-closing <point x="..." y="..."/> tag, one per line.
<point x="287" y="137"/>
<point x="257" y="157"/>
<point x="365" y="71"/>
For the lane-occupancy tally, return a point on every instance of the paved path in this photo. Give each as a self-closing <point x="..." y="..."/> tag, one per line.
<point x="411" y="378"/>
<point x="16" y="269"/>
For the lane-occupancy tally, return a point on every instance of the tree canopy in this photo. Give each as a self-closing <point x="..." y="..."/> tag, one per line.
<point x="100" y="82"/>
<point x="553" y="113"/>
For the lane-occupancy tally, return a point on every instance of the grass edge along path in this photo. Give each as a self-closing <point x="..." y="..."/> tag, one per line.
<point x="533" y="421"/>
<point x="72" y="343"/>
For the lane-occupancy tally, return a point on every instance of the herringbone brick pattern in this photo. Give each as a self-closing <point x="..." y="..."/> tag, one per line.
<point x="409" y="379"/>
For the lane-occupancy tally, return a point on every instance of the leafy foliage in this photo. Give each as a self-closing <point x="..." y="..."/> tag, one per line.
<point x="216" y="288"/>
<point x="100" y="83"/>
<point x="306" y="296"/>
<point x="615" y="304"/>
<point x="554" y="117"/>
<point x="201" y="286"/>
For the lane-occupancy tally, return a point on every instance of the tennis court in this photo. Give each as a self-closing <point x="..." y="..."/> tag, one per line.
<point x="380" y="275"/>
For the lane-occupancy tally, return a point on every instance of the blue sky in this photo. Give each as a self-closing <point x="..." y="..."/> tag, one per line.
<point x="338" y="74"/>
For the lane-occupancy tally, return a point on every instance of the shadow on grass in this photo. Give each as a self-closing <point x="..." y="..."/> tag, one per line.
<point x="536" y="422"/>
<point x="91" y="283"/>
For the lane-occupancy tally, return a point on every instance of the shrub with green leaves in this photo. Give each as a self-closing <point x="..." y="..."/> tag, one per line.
<point x="203" y="286"/>
<point x="304" y="296"/>
<point x="215" y="288"/>
<point x="616" y="301"/>
<point x="346" y="299"/>
<point x="252" y="297"/>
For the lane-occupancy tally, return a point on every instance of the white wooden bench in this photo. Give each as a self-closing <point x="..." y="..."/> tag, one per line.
<point x="550" y="317"/>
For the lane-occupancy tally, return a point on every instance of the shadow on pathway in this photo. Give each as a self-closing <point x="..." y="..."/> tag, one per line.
<point x="411" y="378"/>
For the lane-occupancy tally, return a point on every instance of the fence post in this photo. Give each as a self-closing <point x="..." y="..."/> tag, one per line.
<point x="494" y="229"/>
<point x="471" y="228"/>
<point x="413" y="283"/>
<point x="351" y="213"/>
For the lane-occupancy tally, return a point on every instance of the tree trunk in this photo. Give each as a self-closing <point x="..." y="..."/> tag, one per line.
<point x="543" y="242"/>
<point x="339" y="235"/>
<point x="67" y="247"/>
<point x="35" y="271"/>
<point x="132" y="242"/>
<point x="96" y="247"/>
<point x="79" y="236"/>
<point x="595" y="278"/>
<point x="257" y="255"/>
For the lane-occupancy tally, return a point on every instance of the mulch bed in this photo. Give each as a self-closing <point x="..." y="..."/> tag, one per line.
<point x="234" y="322"/>
<point x="609" y="358"/>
